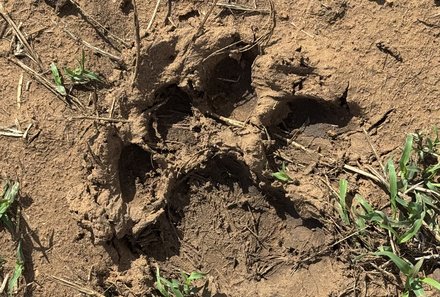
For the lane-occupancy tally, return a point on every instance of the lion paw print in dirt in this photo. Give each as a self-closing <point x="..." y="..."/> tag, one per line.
<point x="283" y="76"/>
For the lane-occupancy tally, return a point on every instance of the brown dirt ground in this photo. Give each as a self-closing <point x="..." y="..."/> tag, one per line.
<point x="102" y="203"/>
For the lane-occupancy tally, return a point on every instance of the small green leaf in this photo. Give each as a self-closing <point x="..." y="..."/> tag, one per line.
<point x="195" y="276"/>
<point x="18" y="271"/>
<point x="432" y="282"/>
<point x="343" y="212"/>
<point x="282" y="175"/>
<point x="417" y="267"/>
<point x="405" y="267"/>
<point x="406" y="155"/>
<point x="58" y="79"/>
<point x="393" y="185"/>
<point x="158" y="284"/>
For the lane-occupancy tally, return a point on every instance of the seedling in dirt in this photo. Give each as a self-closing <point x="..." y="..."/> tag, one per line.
<point x="80" y="75"/>
<point x="412" y="217"/>
<point x="178" y="288"/>
<point x="18" y="271"/>
<point x="58" y="79"/>
<point x="342" y="206"/>
<point x="282" y="175"/>
<point x="9" y="195"/>
<point x="414" y="283"/>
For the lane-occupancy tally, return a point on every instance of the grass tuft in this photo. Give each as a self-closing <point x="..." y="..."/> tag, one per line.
<point x="80" y="75"/>
<point x="182" y="287"/>
<point x="407" y="229"/>
<point x="282" y="175"/>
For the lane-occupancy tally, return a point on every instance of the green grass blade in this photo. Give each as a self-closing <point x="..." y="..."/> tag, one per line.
<point x="282" y="175"/>
<point x="405" y="267"/>
<point x="364" y="203"/>
<point x="393" y="186"/>
<point x="58" y="79"/>
<point x="195" y="276"/>
<point x="343" y="212"/>
<point x="18" y="271"/>
<point x="159" y="286"/>
<point x="431" y="282"/>
<point x="411" y="232"/>
<point x="406" y="154"/>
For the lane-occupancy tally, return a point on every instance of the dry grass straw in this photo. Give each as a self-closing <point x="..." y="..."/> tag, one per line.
<point x="42" y="80"/>
<point x="95" y="49"/>
<point x="32" y="54"/>
<point x="261" y="41"/>
<point x="97" y="24"/>
<point x="79" y="288"/>
<point x="137" y="39"/>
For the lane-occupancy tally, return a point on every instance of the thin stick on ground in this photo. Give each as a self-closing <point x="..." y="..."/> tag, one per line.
<point x="239" y="124"/>
<point x="38" y="77"/>
<point x="137" y="39"/>
<point x="202" y="24"/>
<point x="367" y="136"/>
<point x="261" y="41"/>
<point x="16" y="133"/>
<point x="153" y="16"/>
<point x="20" y="35"/>
<point x="4" y="283"/>
<point x="112" y="57"/>
<point x="325" y="249"/>
<point x="79" y="288"/>
<point x="19" y="90"/>
<point x="101" y="119"/>
<point x="97" y="24"/>
<point x="235" y="6"/>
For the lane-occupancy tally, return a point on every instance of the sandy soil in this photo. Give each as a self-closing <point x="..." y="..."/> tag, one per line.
<point x="180" y="176"/>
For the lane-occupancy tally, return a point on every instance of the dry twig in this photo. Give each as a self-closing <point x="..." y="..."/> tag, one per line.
<point x="97" y="24"/>
<point x="42" y="80"/>
<point x="20" y="36"/>
<point x="112" y="57"/>
<point x="137" y="39"/>
<point x="79" y="288"/>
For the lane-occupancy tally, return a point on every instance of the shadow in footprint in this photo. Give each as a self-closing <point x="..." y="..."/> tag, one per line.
<point x="135" y="166"/>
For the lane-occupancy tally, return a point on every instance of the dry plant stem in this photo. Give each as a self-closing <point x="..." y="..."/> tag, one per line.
<point x="262" y="40"/>
<point x="202" y="24"/>
<point x="99" y="25"/>
<point x="79" y="288"/>
<point x="94" y="48"/>
<point x="4" y="283"/>
<point x="361" y="172"/>
<point x="38" y="77"/>
<point x="19" y="90"/>
<point x="367" y="136"/>
<point x="235" y="6"/>
<point x="101" y="119"/>
<point x="153" y="16"/>
<point x="20" y="36"/>
<point x="137" y="39"/>
<point x="327" y="248"/>
<point x="230" y="122"/>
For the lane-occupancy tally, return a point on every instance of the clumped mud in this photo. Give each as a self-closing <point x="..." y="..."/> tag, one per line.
<point x="184" y="179"/>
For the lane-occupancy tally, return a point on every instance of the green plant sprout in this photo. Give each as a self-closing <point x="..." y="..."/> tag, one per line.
<point x="414" y="207"/>
<point x="7" y="198"/>
<point x="80" y="75"/>
<point x="9" y="195"/>
<point x="177" y="288"/>
<point x="18" y="271"/>
<point x="58" y="79"/>
<point x="282" y="175"/>
<point x="414" y="283"/>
